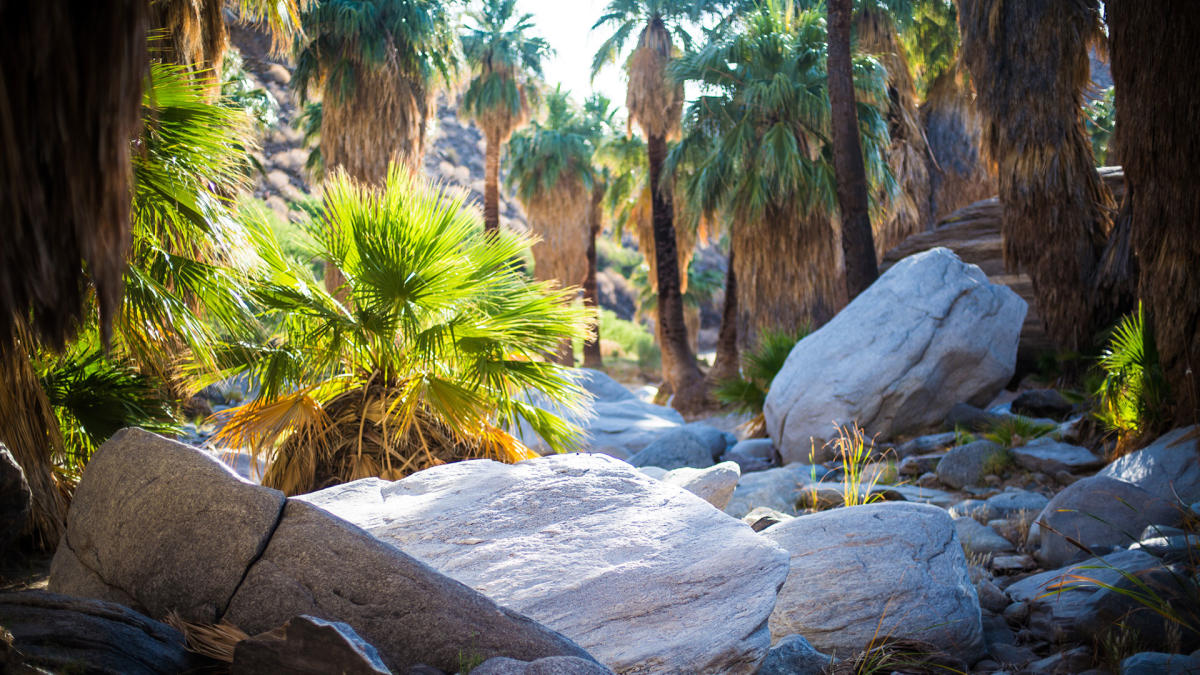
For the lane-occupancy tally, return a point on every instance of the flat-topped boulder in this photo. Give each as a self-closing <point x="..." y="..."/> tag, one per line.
<point x="646" y="576"/>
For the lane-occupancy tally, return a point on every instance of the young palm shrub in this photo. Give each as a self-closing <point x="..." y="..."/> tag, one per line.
<point x="756" y="150"/>
<point x="431" y="357"/>
<point x="760" y="365"/>
<point x="550" y="165"/>
<point x="506" y="66"/>
<point x="1132" y="396"/>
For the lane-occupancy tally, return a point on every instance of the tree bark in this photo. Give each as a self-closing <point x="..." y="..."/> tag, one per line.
<point x="725" y="363"/>
<point x="1158" y="108"/>
<point x="592" y="357"/>
<point x="858" y="245"/>
<point x="491" y="186"/>
<point x="679" y="363"/>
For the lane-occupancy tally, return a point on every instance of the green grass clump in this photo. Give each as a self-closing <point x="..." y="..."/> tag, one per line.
<point x="610" y="254"/>
<point x="1015" y="431"/>
<point x="760" y="365"/>
<point x="625" y="341"/>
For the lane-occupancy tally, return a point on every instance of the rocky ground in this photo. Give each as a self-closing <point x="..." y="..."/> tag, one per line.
<point x="996" y="536"/>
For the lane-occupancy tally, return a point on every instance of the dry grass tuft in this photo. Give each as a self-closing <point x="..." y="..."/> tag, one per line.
<point x="216" y="641"/>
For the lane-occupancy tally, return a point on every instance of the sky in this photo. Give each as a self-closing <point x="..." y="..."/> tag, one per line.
<point x="567" y="26"/>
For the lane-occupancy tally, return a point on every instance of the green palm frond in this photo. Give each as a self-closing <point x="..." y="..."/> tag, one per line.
<point x="550" y="149"/>
<point x="506" y="61"/>
<point x="758" y="138"/>
<point x="1133" y="392"/>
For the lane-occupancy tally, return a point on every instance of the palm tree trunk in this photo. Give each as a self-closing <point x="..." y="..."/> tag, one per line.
<point x="858" y="244"/>
<point x="491" y="186"/>
<point x="725" y="363"/>
<point x="592" y="357"/>
<point x="1056" y="212"/>
<point x="679" y="363"/>
<point x="1157" y="112"/>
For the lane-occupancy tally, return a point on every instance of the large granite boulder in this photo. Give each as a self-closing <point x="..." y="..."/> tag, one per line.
<point x="894" y="569"/>
<point x="1050" y="456"/>
<point x="1167" y="468"/>
<point x="693" y="445"/>
<point x="1100" y="513"/>
<point x="714" y="485"/>
<point x="931" y="332"/>
<point x="160" y="527"/>
<point x="615" y="423"/>
<point x="646" y="576"/>
<point x="63" y="634"/>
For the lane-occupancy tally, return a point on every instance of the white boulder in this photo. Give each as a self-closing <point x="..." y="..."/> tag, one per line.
<point x="930" y="333"/>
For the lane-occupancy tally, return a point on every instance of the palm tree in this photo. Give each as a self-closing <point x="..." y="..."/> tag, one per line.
<point x="1056" y="210"/>
<point x="195" y="35"/>
<point x="655" y="104"/>
<point x="858" y="245"/>
<point x="436" y="361"/>
<point x="190" y="152"/>
<point x="506" y="64"/>
<point x="1157" y="145"/>
<point x="550" y="166"/>
<point x="757" y="154"/>
<point x="375" y="65"/>
<point x="600" y="121"/>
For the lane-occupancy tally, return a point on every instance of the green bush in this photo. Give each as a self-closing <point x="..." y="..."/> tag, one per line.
<point x="760" y="365"/>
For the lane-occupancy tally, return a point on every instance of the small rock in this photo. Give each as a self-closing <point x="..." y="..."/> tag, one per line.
<point x="1158" y="663"/>
<point x="1012" y="656"/>
<point x="966" y="416"/>
<point x="279" y="74"/>
<point x="928" y="480"/>
<point x="307" y="645"/>
<point x="915" y="465"/>
<point x="1042" y="403"/>
<point x="714" y="485"/>
<point x="793" y="655"/>
<point x="980" y="539"/>
<point x="762" y="517"/>
<point x="551" y="665"/>
<point x="682" y="447"/>
<point x="925" y="445"/>
<point x="1012" y="564"/>
<point x="1016" y="613"/>
<point x="991" y="597"/>
<point x="753" y="454"/>
<point x="968" y="464"/>
<point x="777" y="488"/>
<point x="973" y="508"/>
<point x="1065" y="662"/>
<point x="1050" y="456"/>
<point x="1013" y="502"/>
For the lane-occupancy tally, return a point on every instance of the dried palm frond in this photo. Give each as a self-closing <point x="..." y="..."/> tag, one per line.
<point x="906" y="210"/>
<point x="72" y="84"/>
<point x="1057" y="213"/>
<point x="380" y="123"/>
<point x="216" y="641"/>
<point x="654" y="102"/>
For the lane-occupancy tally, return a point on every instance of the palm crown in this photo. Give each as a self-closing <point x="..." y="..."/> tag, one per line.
<point x="506" y="63"/>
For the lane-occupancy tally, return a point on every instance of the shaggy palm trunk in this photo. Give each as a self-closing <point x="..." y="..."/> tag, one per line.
<point x="679" y="363"/>
<point x="1029" y="64"/>
<point x="958" y="174"/>
<point x="908" y="211"/>
<point x="491" y="186"/>
<point x="592" y="357"/>
<point x="725" y="362"/>
<point x="858" y="245"/>
<point x="1158" y="108"/>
